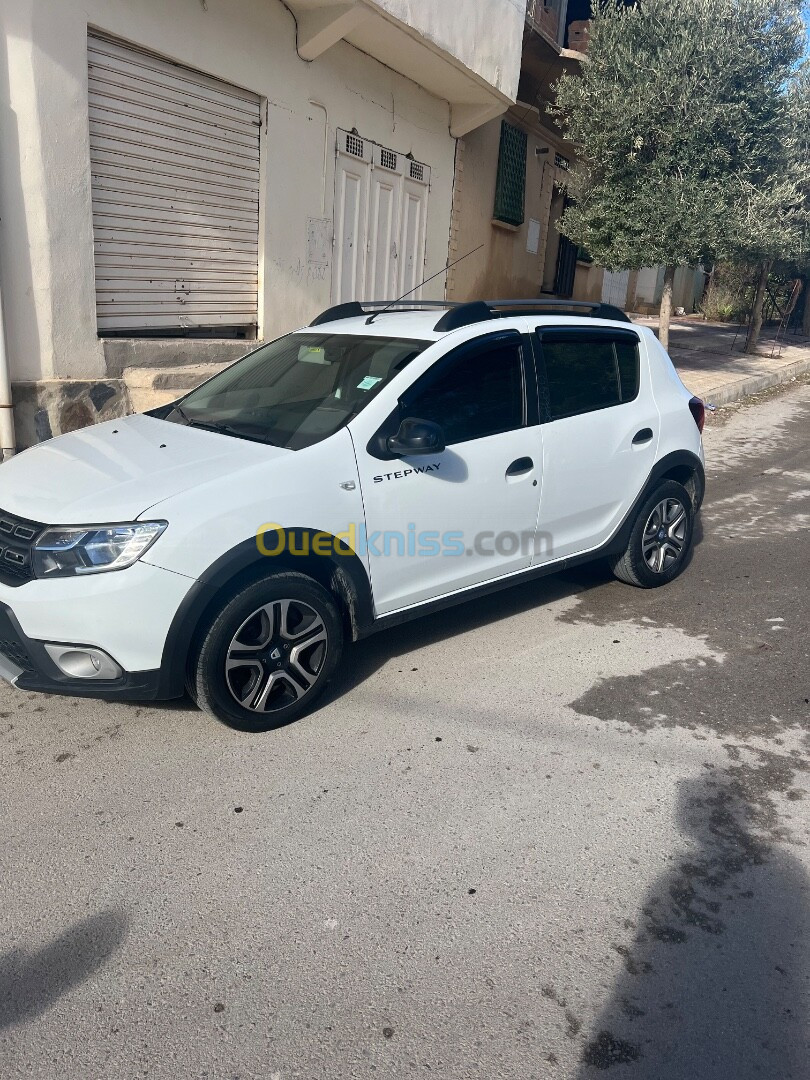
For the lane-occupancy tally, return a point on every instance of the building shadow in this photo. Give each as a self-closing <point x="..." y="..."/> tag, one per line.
<point x="30" y="983"/>
<point x="715" y="982"/>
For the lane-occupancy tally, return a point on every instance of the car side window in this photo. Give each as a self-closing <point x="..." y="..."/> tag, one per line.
<point x="477" y="390"/>
<point x="586" y="371"/>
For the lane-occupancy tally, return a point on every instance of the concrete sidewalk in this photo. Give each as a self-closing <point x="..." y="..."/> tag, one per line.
<point x="712" y="364"/>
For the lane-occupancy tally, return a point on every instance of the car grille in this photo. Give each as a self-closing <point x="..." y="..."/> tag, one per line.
<point x="17" y="539"/>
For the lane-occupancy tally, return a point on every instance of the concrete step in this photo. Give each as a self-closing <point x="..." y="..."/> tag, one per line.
<point x="150" y="387"/>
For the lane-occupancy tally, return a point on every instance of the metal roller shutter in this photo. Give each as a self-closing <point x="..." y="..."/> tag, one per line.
<point x="175" y="174"/>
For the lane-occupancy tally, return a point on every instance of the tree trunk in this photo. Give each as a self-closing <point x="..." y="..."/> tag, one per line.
<point x="666" y="306"/>
<point x="806" y="309"/>
<point x="755" y="329"/>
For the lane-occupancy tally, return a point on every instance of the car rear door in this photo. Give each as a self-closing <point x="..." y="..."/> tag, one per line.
<point x="600" y="435"/>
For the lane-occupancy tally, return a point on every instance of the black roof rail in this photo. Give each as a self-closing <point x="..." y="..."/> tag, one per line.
<point x="458" y="314"/>
<point x="340" y="311"/>
<point x="355" y="308"/>
<point x="482" y="310"/>
<point x="464" y="315"/>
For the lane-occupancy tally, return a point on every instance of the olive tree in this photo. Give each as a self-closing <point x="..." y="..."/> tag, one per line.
<point x="675" y="114"/>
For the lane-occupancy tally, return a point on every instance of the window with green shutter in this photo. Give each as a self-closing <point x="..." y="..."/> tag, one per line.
<point x="510" y="186"/>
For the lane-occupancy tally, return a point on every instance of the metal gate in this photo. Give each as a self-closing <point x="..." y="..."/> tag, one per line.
<point x="566" y="268"/>
<point x="174" y="158"/>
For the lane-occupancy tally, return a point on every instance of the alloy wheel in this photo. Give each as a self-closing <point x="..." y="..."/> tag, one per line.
<point x="276" y="655"/>
<point x="665" y="535"/>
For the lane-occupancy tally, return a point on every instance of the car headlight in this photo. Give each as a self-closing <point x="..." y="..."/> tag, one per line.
<point x="93" y="549"/>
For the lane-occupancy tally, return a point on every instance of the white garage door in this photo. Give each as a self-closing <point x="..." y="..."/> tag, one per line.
<point x="175" y="171"/>
<point x="381" y="201"/>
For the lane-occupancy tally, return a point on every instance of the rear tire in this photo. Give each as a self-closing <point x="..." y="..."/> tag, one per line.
<point x="660" y="539"/>
<point x="267" y="653"/>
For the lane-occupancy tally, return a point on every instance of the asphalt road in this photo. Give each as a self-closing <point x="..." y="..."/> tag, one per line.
<point x="559" y="833"/>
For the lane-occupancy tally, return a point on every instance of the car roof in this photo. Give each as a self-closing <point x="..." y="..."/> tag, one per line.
<point x="421" y="325"/>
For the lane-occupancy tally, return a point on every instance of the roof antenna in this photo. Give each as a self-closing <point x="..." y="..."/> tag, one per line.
<point x="404" y="296"/>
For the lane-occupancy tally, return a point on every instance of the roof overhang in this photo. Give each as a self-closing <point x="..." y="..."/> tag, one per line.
<point x="368" y="26"/>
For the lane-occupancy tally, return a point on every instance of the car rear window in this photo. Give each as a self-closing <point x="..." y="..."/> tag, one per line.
<point x="583" y="371"/>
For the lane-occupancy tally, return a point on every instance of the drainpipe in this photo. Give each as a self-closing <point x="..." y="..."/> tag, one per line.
<point x="7" y="440"/>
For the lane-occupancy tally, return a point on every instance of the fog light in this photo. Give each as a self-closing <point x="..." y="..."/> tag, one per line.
<point x="83" y="663"/>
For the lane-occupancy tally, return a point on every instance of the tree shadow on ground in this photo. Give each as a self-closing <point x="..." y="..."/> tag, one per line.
<point x="715" y="983"/>
<point x="30" y="983"/>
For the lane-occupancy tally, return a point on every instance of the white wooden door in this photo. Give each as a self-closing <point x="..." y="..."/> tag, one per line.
<point x="352" y="176"/>
<point x="385" y="210"/>
<point x="413" y="234"/>
<point x="381" y="204"/>
<point x="174" y="161"/>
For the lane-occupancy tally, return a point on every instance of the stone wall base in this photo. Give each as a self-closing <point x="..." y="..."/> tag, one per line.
<point x="123" y="353"/>
<point x="57" y="406"/>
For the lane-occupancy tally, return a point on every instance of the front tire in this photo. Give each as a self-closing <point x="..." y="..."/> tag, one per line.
<point x="660" y="539"/>
<point x="267" y="653"/>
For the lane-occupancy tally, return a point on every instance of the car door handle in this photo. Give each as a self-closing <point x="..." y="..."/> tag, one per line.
<point x="519" y="466"/>
<point x="642" y="436"/>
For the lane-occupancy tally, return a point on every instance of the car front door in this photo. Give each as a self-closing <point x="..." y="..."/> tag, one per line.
<point x="600" y="438"/>
<point x="440" y="522"/>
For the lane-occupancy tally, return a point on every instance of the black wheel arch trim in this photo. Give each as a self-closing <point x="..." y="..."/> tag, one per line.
<point x="672" y="466"/>
<point x="342" y="573"/>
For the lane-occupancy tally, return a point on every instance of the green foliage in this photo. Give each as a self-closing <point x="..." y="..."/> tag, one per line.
<point x="729" y="293"/>
<point x="690" y="118"/>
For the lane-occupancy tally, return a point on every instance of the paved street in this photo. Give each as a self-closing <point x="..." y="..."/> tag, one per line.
<point x="710" y="358"/>
<point x="557" y="833"/>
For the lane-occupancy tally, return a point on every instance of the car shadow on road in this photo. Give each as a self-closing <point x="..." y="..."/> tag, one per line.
<point x="364" y="658"/>
<point x="715" y="979"/>
<point x="30" y="983"/>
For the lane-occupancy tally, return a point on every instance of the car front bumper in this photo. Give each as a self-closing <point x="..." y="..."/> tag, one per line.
<point x="126" y="614"/>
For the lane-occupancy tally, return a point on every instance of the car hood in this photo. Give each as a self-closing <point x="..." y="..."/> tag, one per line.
<point x="118" y="470"/>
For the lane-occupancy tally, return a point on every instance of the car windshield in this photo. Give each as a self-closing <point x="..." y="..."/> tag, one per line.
<point x="297" y="390"/>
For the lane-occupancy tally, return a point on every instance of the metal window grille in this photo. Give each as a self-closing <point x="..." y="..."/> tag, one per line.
<point x="417" y="171"/>
<point x="388" y="159"/>
<point x="354" y="145"/>
<point x="510" y="185"/>
<point x="562" y="162"/>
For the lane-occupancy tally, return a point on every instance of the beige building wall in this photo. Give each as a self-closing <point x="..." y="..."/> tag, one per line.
<point x="588" y="282"/>
<point x="46" y="233"/>
<point x="504" y="267"/>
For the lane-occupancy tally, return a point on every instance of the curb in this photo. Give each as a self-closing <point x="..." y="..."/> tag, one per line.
<point x="726" y="393"/>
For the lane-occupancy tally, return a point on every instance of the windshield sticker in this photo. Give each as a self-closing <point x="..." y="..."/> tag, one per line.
<point x="311" y="354"/>
<point x="369" y="382"/>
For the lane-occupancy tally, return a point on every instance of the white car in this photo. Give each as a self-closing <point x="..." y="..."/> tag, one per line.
<point x="386" y="461"/>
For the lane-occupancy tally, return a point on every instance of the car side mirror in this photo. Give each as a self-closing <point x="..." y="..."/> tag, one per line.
<point x="416" y="437"/>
